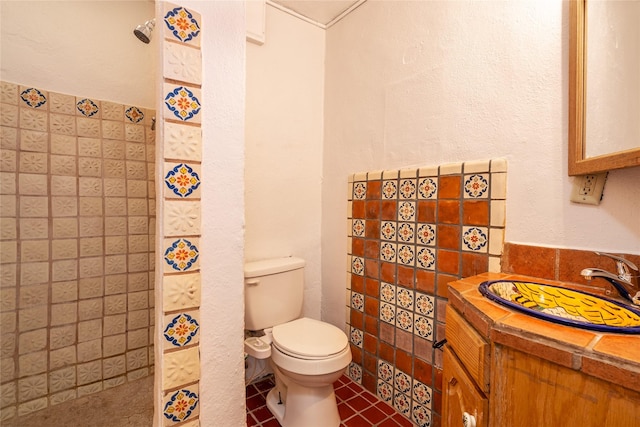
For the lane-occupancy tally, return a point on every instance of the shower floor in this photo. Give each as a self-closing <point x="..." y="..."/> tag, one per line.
<point x="128" y="405"/>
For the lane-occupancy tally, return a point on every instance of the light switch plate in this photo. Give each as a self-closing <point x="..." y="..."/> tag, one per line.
<point x="588" y="189"/>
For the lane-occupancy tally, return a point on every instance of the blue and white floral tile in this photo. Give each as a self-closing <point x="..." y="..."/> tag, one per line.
<point x="475" y="239"/>
<point x="389" y="190"/>
<point x="406" y="211"/>
<point x="182" y="180"/>
<point x="181" y="405"/>
<point x="426" y="234"/>
<point x="356" y="337"/>
<point x="405" y="298"/>
<point x="426" y="258"/>
<point x="388" y="252"/>
<point x="428" y="188"/>
<point x="402" y="382"/>
<point x="182" y="25"/>
<point x="421" y="415"/>
<point x="406" y="232"/>
<point x="357" y="265"/>
<point x="181" y="255"/>
<point x="423" y="327"/>
<point x="182" y="103"/>
<point x="386" y="371"/>
<point x="476" y="186"/>
<point x="359" y="190"/>
<point x="34" y="98"/>
<point x="358" y="227"/>
<point x="402" y="404"/>
<point x="424" y="304"/>
<point x="422" y="394"/>
<point x="354" y="371"/>
<point x="181" y="329"/>
<point x="384" y="391"/>
<point x="388" y="313"/>
<point x="387" y="292"/>
<point x="88" y="108"/>
<point x="134" y="115"/>
<point x="357" y="301"/>
<point x="407" y="189"/>
<point x="404" y="320"/>
<point x="388" y="230"/>
<point x="406" y="254"/>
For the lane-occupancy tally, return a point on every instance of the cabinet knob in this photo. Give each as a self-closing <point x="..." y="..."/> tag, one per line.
<point x="468" y="420"/>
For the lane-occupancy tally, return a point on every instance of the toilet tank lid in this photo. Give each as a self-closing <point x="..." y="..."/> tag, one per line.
<point x="272" y="266"/>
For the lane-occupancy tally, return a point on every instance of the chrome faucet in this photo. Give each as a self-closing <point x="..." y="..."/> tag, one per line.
<point x="621" y="281"/>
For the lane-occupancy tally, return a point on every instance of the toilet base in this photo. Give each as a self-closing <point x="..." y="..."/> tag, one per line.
<point x="305" y="406"/>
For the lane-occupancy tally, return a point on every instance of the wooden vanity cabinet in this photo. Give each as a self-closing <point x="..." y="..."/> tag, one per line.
<point x="526" y="390"/>
<point x="461" y="395"/>
<point x="465" y="374"/>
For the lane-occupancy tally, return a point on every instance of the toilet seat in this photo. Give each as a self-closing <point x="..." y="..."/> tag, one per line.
<point x="309" y="347"/>
<point x="309" y="339"/>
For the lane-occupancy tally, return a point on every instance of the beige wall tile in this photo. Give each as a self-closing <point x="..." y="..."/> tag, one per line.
<point x="64" y="313"/>
<point x="90" y="187"/>
<point x="138" y="338"/>
<point x="7" y="183"/>
<point x="62" y="124"/>
<point x="91" y="246"/>
<point x="89" y="330"/>
<point x="62" y="379"/>
<point x="115" y="245"/>
<point x="8" y="251"/>
<point x="64" y="185"/>
<point x="64" y="291"/>
<point x="8" y="299"/>
<point x="91" y="226"/>
<point x="32" y="363"/>
<point x="61" y="103"/>
<point x="88" y="127"/>
<point x="89" y="372"/>
<point x="112" y="111"/>
<point x="8" y="205"/>
<point x="181" y="367"/>
<point x="136" y="188"/>
<point x="115" y="206"/>
<point x="91" y="267"/>
<point x="114" y="169"/>
<point x="115" y="304"/>
<point x="31" y="296"/>
<point x="33" y="184"/>
<point x="116" y="344"/>
<point x="33" y="119"/>
<point x="8" y="160"/>
<point x="62" y="357"/>
<point x="63" y="337"/>
<point x="115" y="187"/>
<point x="34" y="207"/>
<point x="33" y="228"/>
<point x="34" y="273"/>
<point x="114" y="366"/>
<point x="32" y="318"/>
<point x="90" y="350"/>
<point x="112" y="129"/>
<point x="61" y="397"/>
<point x="138" y="262"/>
<point x="65" y="228"/>
<point x="114" y="150"/>
<point x="133" y="132"/>
<point x="181" y="292"/>
<point x="116" y="284"/>
<point x="115" y="226"/>
<point x="34" y="250"/>
<point x="64" y="249"/>
<point x="63" y="144"/>
<point x="34" y="141"/>
<point x="91" y="287"/>
<point x="115" y="264"/>
<point x="64" y="206"/>
<point x="114" y="325"/>
<point x="8" y="138"/>
<point x="89" y="166"/>
<point x="33" y="162"/>
<point x="32" y="341"/>
<point x="32" y="387"/>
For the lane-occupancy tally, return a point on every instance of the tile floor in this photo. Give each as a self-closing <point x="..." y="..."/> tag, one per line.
<point x="357" y="406"/>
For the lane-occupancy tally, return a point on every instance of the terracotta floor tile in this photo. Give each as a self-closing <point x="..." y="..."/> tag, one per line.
<point x="357" y="407"/>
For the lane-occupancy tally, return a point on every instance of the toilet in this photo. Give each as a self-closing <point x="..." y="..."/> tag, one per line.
<point x="307" y="355"/>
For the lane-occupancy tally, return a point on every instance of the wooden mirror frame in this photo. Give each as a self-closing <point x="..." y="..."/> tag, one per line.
<point x="578" y="164"/>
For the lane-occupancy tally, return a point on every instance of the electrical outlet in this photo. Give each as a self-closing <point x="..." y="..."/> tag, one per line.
<point x="588" y="189"/>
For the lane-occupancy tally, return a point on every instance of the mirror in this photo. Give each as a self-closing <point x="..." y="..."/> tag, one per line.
<point x="603" y="135"/>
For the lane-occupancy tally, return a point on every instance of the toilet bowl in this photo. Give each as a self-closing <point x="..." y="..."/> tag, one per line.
<point x="308" y="357"/>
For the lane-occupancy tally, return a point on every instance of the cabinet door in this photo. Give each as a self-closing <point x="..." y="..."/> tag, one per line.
<point x="461" y="395"/>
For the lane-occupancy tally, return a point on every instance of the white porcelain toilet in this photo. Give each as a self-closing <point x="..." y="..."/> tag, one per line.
<point x="307" y="355"/>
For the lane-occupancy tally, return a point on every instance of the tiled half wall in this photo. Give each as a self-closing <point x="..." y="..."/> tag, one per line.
<point x="410" y="233"/>
<point x="77" y="217"/>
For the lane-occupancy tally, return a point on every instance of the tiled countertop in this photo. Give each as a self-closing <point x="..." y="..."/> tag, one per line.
<point x="608" y="356"/>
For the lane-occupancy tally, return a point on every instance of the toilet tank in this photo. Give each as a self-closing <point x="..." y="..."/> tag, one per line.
<point x="273" y="292"/>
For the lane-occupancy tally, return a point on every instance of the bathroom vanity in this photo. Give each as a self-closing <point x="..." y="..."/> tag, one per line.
<point x="502" y="368"/>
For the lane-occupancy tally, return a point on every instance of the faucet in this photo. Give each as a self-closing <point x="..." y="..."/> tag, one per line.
<point x="621" y="281"/>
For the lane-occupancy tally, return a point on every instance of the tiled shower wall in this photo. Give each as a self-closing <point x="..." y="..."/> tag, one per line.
<point x="411" y="232"/>
<point x="77" y="216"/>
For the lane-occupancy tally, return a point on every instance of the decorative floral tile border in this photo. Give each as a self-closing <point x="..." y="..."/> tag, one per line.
<point x="181" y="211"/>
<point x="410" y="232"/>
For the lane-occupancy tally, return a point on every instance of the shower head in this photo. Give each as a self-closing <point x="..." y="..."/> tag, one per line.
<point x="143" y="32"/>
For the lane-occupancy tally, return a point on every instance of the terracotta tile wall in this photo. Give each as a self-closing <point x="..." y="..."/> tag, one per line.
<point x="559" y="263"/>
<point x="410" y="233"/>
<point x="77" y="202"/>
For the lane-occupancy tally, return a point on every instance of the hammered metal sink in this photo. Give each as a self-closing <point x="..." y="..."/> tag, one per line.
<point x="564" y="306"/>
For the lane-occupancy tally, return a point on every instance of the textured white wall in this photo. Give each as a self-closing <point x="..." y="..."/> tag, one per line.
<point x="430" y="82"/>
<point x="284" y="134"/>
<point x="222" y="393"/>
<point x="83" y="48"/>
